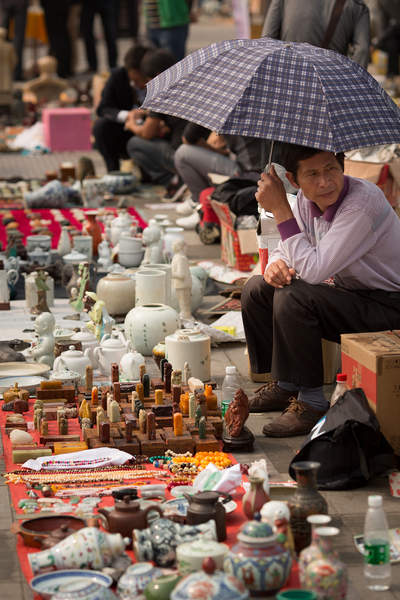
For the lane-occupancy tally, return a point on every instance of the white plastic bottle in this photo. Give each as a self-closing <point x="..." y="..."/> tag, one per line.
<point x="340" y="389"/>
<point x="230" y="385"/>
<point x="377" y="569"/>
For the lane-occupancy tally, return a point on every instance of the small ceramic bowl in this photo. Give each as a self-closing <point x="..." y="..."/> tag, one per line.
<point x="135" y="579"/>
<point x="48" y="584"/>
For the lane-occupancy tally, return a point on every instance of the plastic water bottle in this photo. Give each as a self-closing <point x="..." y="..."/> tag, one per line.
<point x="377" y="568"/>
<point x="230" y="385"/>
<point x="341" y="387"/>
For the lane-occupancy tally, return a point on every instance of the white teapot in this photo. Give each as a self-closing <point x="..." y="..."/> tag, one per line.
<point x="87" y="339"/>
<point x="111" y="350"/>
<point x="130" y="363"/>
<point x="73" y="360"/>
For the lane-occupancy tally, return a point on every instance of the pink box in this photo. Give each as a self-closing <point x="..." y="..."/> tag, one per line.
<point x="67" y="128"/>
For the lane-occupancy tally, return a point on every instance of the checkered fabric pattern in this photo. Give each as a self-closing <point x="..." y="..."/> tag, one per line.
<point x="290" y="92"/>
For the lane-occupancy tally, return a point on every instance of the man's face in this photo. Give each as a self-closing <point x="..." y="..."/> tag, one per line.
<point x="137" y="78"/>
<point x="321" y="179"/>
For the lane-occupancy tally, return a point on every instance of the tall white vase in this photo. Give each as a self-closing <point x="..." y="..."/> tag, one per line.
<point x="150" y="287"/>
<point x="168" y="279"/>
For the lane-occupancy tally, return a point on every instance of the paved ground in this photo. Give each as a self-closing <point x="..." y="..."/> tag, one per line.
<point x="347" y="508"/>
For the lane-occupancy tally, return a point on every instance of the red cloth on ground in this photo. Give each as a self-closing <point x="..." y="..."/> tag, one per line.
<point x="18" y="491"/>
<point x="24" y="224"/>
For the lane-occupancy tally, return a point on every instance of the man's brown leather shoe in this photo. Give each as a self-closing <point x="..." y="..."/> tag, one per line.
<point x="270" y="397"/>
<point x="297" y="419"/>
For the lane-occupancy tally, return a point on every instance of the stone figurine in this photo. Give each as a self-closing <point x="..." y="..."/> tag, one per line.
<point x="47" y="87"/>
<point x="100" y="321"/>
<point x="236" y="435"/>
<point x="182" y="279"/>
<point x="43" y="350"/>
<point x="187" y="373"/>
<point x="152" y="238"/>
<point x="104" y="260"/>
<point x="77" y="301"/>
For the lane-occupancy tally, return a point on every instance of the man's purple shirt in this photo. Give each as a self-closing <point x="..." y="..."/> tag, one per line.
<point x="356" y="240"/>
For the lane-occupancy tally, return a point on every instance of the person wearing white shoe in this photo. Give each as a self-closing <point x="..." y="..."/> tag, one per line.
<point x="186" y="208"/>
<point x="190" y="221"/>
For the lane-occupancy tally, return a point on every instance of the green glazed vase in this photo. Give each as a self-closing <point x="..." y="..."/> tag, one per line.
<point x="161" y="588"/>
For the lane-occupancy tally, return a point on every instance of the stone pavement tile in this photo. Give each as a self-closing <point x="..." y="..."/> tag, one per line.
<point x="9" y="564"/>
<point x="13" y="590"/>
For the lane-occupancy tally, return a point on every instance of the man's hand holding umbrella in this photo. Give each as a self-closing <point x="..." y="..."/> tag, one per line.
<point x="271" y="196"/>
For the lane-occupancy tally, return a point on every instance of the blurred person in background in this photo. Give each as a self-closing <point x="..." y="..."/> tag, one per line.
<point x="123" y="91"/>
<point x="167" y="23"/>
<point x="15" y="10"/>
<point x="388" y="33"/>
<point x="56" y="15"/>
<point x="106" y="10"/>
<point x="294" y="21"/>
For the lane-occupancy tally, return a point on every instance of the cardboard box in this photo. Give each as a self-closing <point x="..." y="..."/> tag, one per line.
<point x="67" y="129"/>
<point x="385" y="175"/>
<point x="372" y="362"/>
<point x="239" y="249"/>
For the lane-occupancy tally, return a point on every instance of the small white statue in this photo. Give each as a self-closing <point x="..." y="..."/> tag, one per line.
<point x="152" y="238"/>
<point x="187" y="373"/>
<point x="43" y="350"/>
<point x="182" y="279"/>
<point x="104" y="250"/>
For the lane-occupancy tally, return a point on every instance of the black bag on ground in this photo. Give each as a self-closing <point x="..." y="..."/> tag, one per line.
<point x="239" y="194"/>
<point x="348" y="444"/>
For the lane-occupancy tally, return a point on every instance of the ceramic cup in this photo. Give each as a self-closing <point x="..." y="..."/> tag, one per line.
<point x="166" y="268"/>
<point x="296" y="594"/>
<point x="150" y="287"/>
<point x="84" y="245"/>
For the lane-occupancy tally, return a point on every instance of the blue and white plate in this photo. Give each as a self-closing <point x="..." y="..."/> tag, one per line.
<point x="49" y="584"/>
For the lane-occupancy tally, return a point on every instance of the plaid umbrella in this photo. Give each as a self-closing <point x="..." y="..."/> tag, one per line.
<point x="289" y="92"/>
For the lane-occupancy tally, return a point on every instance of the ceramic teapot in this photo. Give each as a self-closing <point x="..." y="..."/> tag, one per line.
<point x="86" y="338"/>
<point x="73" y="360"/>
<point x="126" y="516"/>
<point x="111" y="350"/>
<point x="204" y="506"/>
<point x="130" y="363"/>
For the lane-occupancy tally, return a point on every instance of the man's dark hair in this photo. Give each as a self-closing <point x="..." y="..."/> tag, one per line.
<point x="156" y="61"/>
<point x="134" y="56"/>
<point x="289" y="156"/>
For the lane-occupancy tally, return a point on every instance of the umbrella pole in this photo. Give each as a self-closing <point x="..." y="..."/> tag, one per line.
<point x="263" y="239"/>
<point x="271" y="150"/>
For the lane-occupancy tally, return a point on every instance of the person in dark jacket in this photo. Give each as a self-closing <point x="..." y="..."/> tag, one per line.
<point x="123" y="91"/>
<point x="17" y="10"/>
<point x="294" y="21"/>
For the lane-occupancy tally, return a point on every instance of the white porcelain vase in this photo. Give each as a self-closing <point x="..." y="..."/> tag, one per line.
<point x="191" y="346"/>
<point x="149" y="324"/>
<point x="117" y="292"/>
<point x="150" y="287"/>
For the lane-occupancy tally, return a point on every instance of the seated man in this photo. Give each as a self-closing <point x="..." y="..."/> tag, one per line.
<point x="123" y="91"/>
<point x="156" y="136"/>
<point x="336" y="270"/>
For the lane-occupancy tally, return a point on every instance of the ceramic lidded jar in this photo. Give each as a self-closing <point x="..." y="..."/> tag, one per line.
<point x="110" y="351"/>
<point x="147" y="325"/>
<point x="190" y="556"/>
<point x="117" y="292"/>
<point x="210" y="584"/>
<point x="87" y="548"/>
<point x="258" y="560"/>
<point x="305" y="501"/>
<point x="86" y="339"/>
<point x="192" y="346"/>
<point x="326" y="575"/>
<point x="136" y="577"/>
<point x="73" y="360"/>
<point x="120" y="225"/>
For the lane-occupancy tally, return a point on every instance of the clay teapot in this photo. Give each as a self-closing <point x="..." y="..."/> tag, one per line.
<point x="127" y="515"/>
<point x="204" y="506"/>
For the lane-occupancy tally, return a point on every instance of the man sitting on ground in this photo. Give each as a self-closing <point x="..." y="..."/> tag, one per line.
<point x="336" y="270"/>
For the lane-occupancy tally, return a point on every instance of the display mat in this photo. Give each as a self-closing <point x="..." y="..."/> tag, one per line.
<point x="28" y="219"/>
<point x="18" y="491"/>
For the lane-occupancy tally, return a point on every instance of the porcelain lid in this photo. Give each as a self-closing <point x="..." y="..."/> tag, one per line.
<point x="71" y="352"/>
<point x="256" y="533"/>
<point x="113" y="342"/>
<point x="74" y="255"/>
<point x="202" y="547"/>
<point x="122" y="220"/>
<point x="212" y="585"/>
<point x="84" y="336"/>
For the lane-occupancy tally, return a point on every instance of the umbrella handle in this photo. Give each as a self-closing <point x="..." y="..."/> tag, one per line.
<point x="268" y="167"/>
